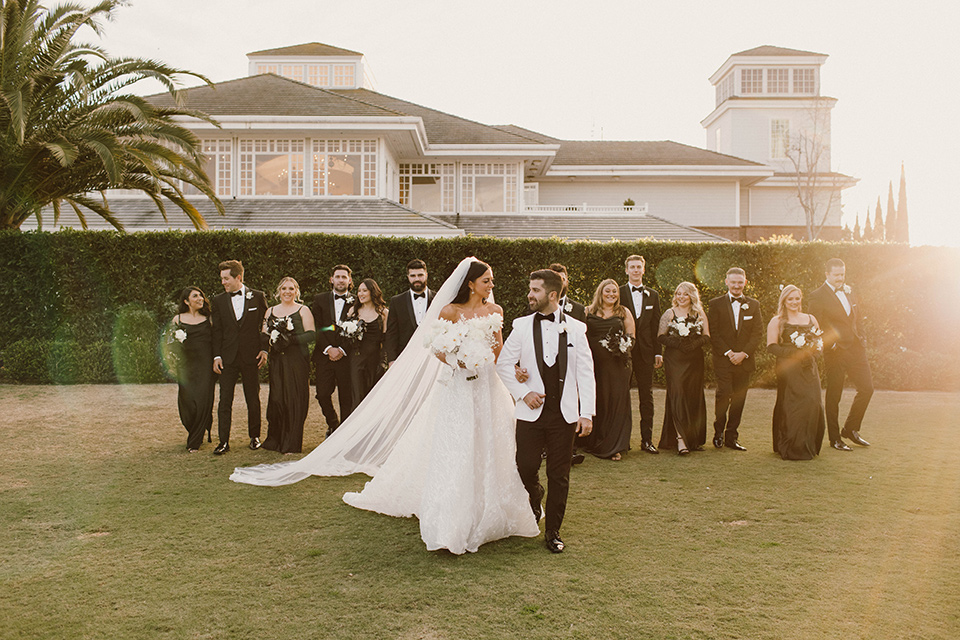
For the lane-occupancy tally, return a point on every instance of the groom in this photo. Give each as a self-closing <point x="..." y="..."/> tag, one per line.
<point x="556" y="401"/>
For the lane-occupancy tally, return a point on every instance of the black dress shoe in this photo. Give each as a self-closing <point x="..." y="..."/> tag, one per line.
<point x="255" y="443"/>
<point x="855" y="437"/>
<point x="736" y="446"/>
<point x="718" y="442"/>
<point x="221" y="449"/>
<point x="840" y="445"/>
<point x="577" y="458"/>
<point x="648" y="447"/>
<point x="554" y="543"/>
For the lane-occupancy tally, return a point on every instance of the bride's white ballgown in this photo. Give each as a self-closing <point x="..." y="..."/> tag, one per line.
<point x="455" y="468"/>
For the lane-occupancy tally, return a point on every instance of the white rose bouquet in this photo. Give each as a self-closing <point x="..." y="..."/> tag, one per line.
<point x="280" y="333"/>
<point x="618" y="343"/>
<point x="465" y="344"/>
<point x="685" y="327"/>
<point x="810" y="339"/>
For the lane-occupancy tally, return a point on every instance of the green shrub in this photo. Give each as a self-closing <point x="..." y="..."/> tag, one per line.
<point x="26" y="361"/>
<point x="135" y="340"/>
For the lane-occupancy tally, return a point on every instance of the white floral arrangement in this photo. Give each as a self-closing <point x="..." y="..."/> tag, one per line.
<point x="249" y="295"/>
<point x="807" y="339"/>
<point x="352" y="329"/>
<point x="617" y="342"/>
<point x="568" y="307"/>
<point x="466" y="344"/>
<point x="846" y="289"/>
<point x="684" y="327"/>
<point x="180" y="335"/>
<point x="278" y="324"/>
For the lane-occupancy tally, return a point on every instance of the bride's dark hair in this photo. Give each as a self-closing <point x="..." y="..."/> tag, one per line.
<point x="476" y="270"/>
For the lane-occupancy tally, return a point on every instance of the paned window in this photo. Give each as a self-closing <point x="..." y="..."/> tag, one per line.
<point x="751" y="81"/>
<point x="344" y="168"/>
<point x="805" y="81"/>
<point x="428" y="187"/>
<point x="725" y="88"/>
<point x="318" y="75"/>
<point x="343" y="75"/>
<point x="779" y="138"/>
<point x="778" y="80"/>
<point x="218" y="165"/>
<point x="271" y="167"/>
<point x="488" y="187"/>
<point x="268" y="68"/>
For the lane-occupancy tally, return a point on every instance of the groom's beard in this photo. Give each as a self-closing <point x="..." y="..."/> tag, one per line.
<point x="418" y="287"/>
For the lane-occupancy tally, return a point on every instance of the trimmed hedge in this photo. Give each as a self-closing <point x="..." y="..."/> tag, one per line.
<point x="88" y="306"/>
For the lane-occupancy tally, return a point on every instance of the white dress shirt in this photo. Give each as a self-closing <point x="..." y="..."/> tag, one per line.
<point x="736" y="312"/>
<point x="637" y="299"/>
<point x="419" y="306"/>
<point x="238" y="302"/>
<point x="842" y="297"/>
<point x="550" y="340"/>
<point x="338" y="308"/>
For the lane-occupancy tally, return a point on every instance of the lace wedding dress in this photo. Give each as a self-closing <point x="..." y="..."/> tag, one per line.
<point x="439" y="447"/>
<point x="455" y="467"/>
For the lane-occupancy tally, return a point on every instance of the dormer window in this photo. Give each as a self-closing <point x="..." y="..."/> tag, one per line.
<point x="778" y="81"/>
<point x="751" y="81"/>
<point x="318" y="75"/>
<point x="805" y="81"/>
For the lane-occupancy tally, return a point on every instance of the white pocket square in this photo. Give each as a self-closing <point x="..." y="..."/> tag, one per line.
<point x="252" y="309"/>
<point x="748" y="317"/>
<point x="649" y="307"/>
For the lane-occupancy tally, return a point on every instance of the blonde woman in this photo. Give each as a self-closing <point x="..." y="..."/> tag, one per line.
<point x="611" y="332"/>
<point x="289" y="327"/>
<point x="684" y="330"/>
<point x="798" y="417"/>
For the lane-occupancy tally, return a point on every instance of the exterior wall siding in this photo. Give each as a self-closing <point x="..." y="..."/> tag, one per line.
<point x="779" y="206"/>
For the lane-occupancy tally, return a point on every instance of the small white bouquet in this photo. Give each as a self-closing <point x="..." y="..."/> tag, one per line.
<point x="684" y="327"/>
<point x="180" y="335"/>
<point x="811" y="339"/>
<point x="466" y="344"/>
<point x="352" y="329"/>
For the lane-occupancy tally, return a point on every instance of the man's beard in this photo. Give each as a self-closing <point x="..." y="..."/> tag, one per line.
<point x="418" y="287"/>
<point x="537" y="305"/>
<point x="341" y="291"/>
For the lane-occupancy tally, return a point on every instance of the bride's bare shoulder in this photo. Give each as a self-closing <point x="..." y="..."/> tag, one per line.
<point x="450" y="312"/>
<point x="491" y="308"/>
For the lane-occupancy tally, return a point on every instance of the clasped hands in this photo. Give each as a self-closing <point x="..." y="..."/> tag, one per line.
<point x="736" y="357"/>
<point x="218" y="363"/>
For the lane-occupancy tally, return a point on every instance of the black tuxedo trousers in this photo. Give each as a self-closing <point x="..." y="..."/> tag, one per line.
<point x="840" y="363"/>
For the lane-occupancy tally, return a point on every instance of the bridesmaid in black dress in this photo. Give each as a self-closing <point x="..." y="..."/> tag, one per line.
<point x="191" y="337"/>
<point x="366" y="362"/>
<point x="610" y="332"/>
<point x="684" y="331"/>
<point x="290" y="330"/>
<point x="798" y="418"/>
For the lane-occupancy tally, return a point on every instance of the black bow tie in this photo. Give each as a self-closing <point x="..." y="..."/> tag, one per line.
<point x="640" y="289"/>
<point x="340" y="296"/>
<point x="236" y="293"/>
<point x="736" y="299"/>
<point x="417" y="296"/>
<point x="545" y="316"/>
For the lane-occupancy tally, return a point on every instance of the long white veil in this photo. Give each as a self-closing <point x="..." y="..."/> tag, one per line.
<point x="364" y="440"/>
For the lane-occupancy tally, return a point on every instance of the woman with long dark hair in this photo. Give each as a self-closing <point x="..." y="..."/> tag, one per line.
<point x="366" y="362"/>
<point x="191" y="337"/>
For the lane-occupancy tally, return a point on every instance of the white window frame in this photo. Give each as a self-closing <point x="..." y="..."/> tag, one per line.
<point x="250" y="148"/>
<point x="469" y="172"/>
<point x="221" y="177"/>
<point x="319" y="176"/>
<point x="444" y="172"/>
<point x="800" y="82"/>
<point x="778" y="80"/>
<point x="779" y="138"/>
<point x="751" y="81"/>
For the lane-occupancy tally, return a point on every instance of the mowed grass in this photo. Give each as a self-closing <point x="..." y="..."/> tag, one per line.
<point x="111" y="530"/>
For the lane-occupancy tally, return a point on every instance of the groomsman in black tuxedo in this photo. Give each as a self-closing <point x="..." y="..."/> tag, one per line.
<point x="331" y="362"/>
<point x="239" y="350"/>
<point x="837" y="309"/>
<point x="736" y="328"/>
<point x="644" y="303"/>
<point x="570" y="306"/>
<point x="407" y="310"/>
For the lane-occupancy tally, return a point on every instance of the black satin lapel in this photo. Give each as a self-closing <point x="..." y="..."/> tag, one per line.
<point x="411" y="312"/>
<point x="733" y="320"/>
<point x="538" y="346"/>
<point x="562" y="356"/>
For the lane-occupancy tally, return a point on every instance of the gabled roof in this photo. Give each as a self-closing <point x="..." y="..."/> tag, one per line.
<point x="640" y="152"/>
<point x="345" y="216"/>
<point x="527" y="133"/>
<point x="442" y="128"/>
<point x="595" y="227"/>
<point x="770" y="50"/>
<point x="306" y="49"/>
<point x="270" y="95"/>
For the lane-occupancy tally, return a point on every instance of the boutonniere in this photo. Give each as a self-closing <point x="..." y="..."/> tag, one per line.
<point x="348" y="299"/>
<point x="562" y="327"/>
<point x="744" y="306"/>
<point x="249" y="295"/>
<point x="568" y="307"/>
<point x="846" y="289"/>
<point x="180" y="335"/>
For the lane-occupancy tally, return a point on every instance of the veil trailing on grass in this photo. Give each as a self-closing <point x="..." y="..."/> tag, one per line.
<point x="365" y="439"/>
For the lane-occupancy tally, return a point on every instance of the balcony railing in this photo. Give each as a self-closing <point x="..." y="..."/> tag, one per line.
<point x="580" y="209"/>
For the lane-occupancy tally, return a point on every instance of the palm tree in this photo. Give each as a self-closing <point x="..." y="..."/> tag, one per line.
<point x="69" y="129"/>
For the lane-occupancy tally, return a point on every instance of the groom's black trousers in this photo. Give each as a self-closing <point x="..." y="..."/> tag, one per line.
<point x="549" y="432"/>
<point x="248" y="373"/>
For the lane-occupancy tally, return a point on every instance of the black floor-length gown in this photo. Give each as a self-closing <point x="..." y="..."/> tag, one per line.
<point x="613" y="423"/>
<point x="195" y="380"/>
<point x="685" y="411"/>
<point x="798" y="418"/>
<point x="289" y="398"/>
<point x="366" y="363"/>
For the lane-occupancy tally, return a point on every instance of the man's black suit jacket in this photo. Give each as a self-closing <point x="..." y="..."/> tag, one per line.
<point x="324" y="311"/>
<point x="724" y="336"/>
<point x="574" y="309"/>
<point x="839" y="329"/>
<point x="240" y="341"/>
<point x="646" y="345"/>
<point x="401" y="323"/>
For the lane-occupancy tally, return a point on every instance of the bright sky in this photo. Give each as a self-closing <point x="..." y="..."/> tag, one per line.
<point x="619" y="70"/>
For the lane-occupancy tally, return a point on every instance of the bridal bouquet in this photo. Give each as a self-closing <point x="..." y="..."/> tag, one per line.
<point x="684" y="327"/>
<point x="352" y="329"/>
<point x="807" y="338"/>
<point x="467" y="344"/>
<point x="280" y="332"/>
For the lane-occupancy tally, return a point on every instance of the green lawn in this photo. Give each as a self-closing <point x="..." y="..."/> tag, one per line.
<point x="112" y="530"/>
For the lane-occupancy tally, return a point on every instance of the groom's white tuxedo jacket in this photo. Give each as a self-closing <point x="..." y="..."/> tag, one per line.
<point x="578" y="398"/>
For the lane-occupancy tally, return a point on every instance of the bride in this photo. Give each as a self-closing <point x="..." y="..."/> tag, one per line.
<point x="437" y="432"/>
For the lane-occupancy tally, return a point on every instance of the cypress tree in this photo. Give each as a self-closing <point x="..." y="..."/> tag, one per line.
<point x="868" y="233"/>
<point x="878" y="230"/>
<point x="893" y="229"/>
<point x="903" y="223"/>
<point x="856" y="230"/>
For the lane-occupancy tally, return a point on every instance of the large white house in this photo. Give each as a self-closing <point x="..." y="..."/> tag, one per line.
<point x="304" y="146"/>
